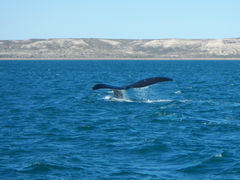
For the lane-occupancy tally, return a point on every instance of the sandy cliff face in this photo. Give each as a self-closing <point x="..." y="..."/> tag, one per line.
<point x="118" y="48"/>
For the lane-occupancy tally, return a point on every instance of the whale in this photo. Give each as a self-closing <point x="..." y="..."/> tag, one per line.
<point x="139" y="84"/>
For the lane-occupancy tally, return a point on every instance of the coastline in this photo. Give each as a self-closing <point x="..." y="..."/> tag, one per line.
<point x="126" y="59"/>
<point x="120" y="49"/>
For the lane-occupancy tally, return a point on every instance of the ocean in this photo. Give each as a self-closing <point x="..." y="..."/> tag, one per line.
<point x="54" y="126"/>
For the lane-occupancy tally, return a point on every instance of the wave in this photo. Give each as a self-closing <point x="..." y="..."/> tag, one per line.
<point x="206" y="164"/>
<point x="40" y="167"/>
<point x="178" y="92"/>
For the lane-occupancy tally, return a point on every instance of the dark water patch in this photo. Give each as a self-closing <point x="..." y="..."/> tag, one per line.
<point x="85" y="128"/>
<point x="151" y="148"/>
<point x="213" y="164"/>
<point x="41" y="168"/>
<point x="131" y="175"/>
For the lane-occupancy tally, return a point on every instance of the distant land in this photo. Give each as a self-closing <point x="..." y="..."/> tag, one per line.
<point x="94" y="48"/>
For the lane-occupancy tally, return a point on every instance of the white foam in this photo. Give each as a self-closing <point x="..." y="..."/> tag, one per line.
<point x="185" y="100"/>
<point x="121" y="100"/>
<point x="158" y="100"/>
<point x="107" y="97"/>
<point x="178" y="92"/>
<point x="218" y="155"/>
<point x="117" y="99"/>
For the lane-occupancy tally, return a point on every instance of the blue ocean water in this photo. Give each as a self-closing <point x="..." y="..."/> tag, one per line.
<point x="54" y="126"/>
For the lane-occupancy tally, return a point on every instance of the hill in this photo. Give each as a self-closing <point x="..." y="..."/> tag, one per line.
<point x="120" y="48"/>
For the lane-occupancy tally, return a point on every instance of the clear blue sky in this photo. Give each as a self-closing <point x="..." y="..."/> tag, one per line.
<point x="133" y="19"/>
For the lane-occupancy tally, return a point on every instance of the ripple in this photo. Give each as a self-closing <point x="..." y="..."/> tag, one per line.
<point x="54" y="126"/>
<point x="152" y="148"/>
<point x="41" y="168"/>
<point x="210" y="164"/>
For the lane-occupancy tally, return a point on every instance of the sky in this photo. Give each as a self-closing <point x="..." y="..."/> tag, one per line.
<point x="119" y="19"/>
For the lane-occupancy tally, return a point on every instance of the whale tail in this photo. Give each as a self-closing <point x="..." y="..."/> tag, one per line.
<point x="139" y="84"/>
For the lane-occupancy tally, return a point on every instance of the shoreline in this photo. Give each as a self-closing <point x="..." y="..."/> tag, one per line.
<point x="126" y="59"/>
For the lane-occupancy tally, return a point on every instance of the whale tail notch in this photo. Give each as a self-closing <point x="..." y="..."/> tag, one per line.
<point x="138" y="84"/>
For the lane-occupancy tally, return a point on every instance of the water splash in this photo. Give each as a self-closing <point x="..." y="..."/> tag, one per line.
<point x="139" y="96"/>
<point x="124" y="97"/>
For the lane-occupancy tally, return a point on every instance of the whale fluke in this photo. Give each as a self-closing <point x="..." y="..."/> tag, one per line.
<point x="147" y="82"/>
<point x="139" y="84"/>
<point x="106" y="86"/>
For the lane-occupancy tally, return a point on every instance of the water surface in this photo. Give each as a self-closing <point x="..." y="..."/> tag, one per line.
<point x="53" y="126"/>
